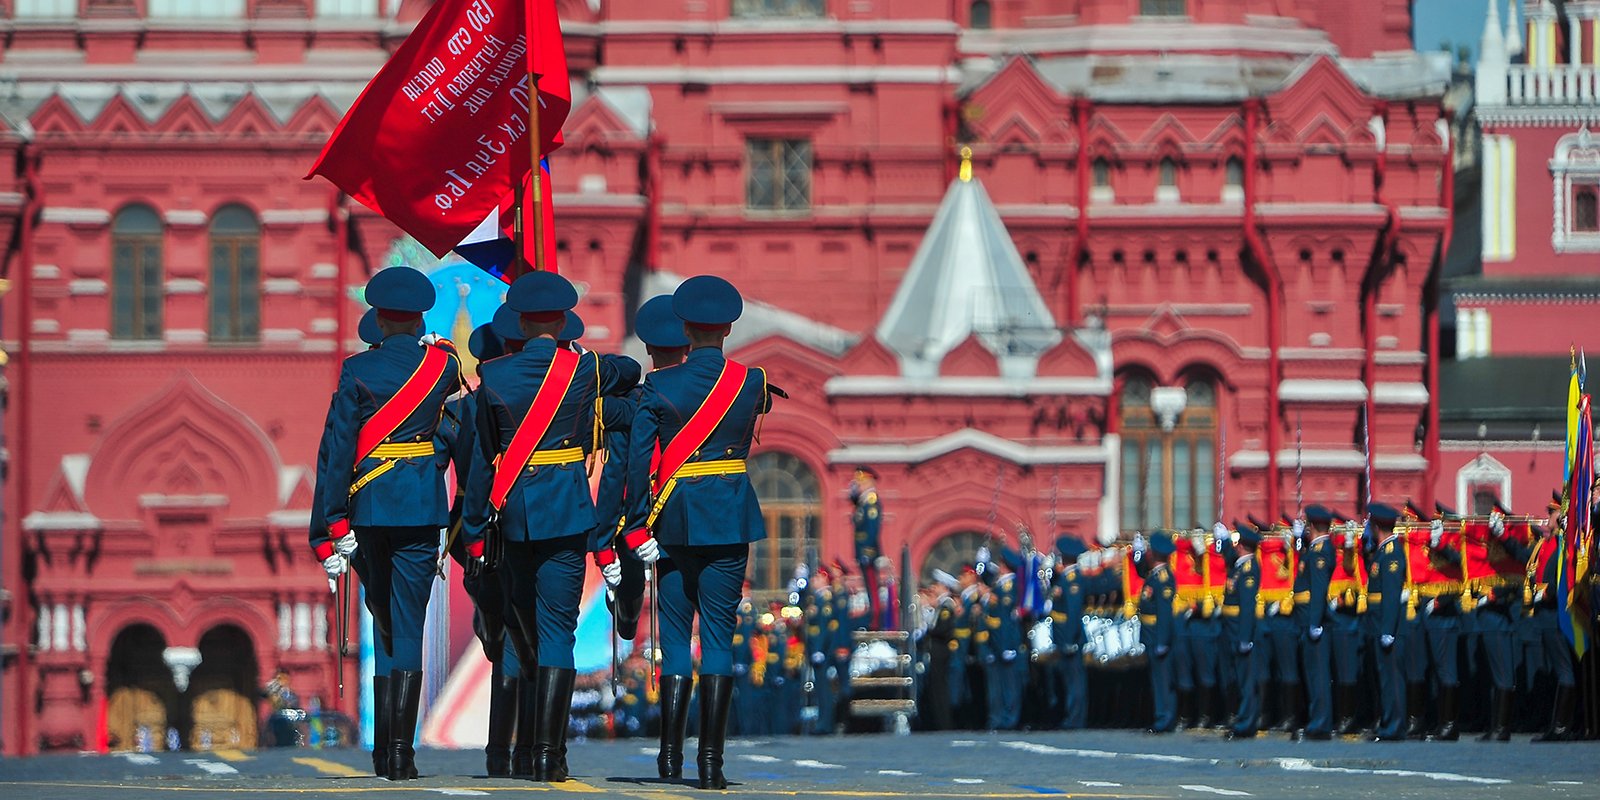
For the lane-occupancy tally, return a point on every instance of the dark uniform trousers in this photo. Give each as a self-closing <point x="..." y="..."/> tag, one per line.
<point x="1316" y="657"/>
<point x="1392" y="688"/>
<point x="1494" y="625"/>
<point x="547" y="576"/>
<point x="1344" y="630"/>
<point x="400" y="564"/>
<point x="708" y="581"/>
<point x="1442" y="628"/>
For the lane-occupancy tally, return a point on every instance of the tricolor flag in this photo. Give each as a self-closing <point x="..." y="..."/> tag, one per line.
<point x="440" y="136"/>
<point x="492" y="247"/>
<point x="1573" y="541"/>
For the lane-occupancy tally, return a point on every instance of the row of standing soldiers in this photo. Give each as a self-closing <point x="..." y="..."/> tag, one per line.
<point x="1312" y="628"/>
<point x="673" y="497"/>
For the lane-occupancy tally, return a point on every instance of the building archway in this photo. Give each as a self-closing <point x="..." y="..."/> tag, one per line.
<point x="791" y="501"/>
<point x="222" y="691"/>
<point x="141" y="700"/>
<point x="952" y="553"/>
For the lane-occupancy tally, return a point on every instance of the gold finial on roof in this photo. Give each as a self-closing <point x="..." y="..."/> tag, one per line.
<point x="966" y="164"/>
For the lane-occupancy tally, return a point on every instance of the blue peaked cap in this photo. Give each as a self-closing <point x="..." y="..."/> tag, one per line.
<point x="707" y="300"/>
<point x="657" y="325"/>
<point x="541" y="293"/>
<point x="400" y="289"/>
<point x="368" y="328"/>
<point x="573" y="330"/>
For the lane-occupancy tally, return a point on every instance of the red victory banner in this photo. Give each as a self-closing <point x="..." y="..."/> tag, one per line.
<point x="440" y="136"/>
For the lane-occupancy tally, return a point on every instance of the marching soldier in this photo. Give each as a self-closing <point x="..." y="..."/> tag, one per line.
<point x="381" y="481"/>
<point x="1441" y="626"/>
<point x="1155" y="619"/>
<point x="343" y="554"/>
<point x="1281" y="641"/>
<point x="1239" y="626"/>
<point x="1542" y="611"/>
<point x="1066" y="617"/>
<point x="1198" y="629"/>
<point x="1311" y="608"/>
<point x="1007" y="668"/>
<point x="487" y="588"/>
<point x="705" y="513"/>
<point x="662" y="333"/>
<point x="942" y="652"/>
<point x="535" y="427"/>
<point x="1386" y="581"/>
<point x="1346" y="607"/>
<point x="867" y="519"/>
<point x="1497" y="612"/>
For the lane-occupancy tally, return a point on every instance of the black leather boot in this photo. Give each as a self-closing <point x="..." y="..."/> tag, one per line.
<point x="716" y="694"/>
<point x="1344" y="710"/>
<point x="554" y="692"/>
<point x="627" y="611"/>
<point x="1185" y="710"/>
<point x="1560" y="717"/>
<point x="502" y="721"/>
<point x="527" y="712"/>
<point x="1293" y="697"/>
<point x="1500" y="710"/>
<point x="1202" y="707"/>
<point x="1284" y="717"/>
<point x="380" y="725"/>
<point x="1448" y="711"/>
<point x="405" y="694"/>
<point x="1416" y="709"/>
<point x="674" y="724"/>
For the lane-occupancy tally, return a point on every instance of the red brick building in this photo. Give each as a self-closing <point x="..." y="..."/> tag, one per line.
<point x="1192" y="260"/>
<point x="1522" y="299"/>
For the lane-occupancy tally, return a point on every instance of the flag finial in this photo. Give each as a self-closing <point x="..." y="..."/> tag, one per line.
<point x="966" y="164"/>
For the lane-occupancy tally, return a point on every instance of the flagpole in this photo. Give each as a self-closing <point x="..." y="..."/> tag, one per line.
<point x="536" y="173"/>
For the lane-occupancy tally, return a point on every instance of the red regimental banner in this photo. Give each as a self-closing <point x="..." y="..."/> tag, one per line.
<point x="437" y="138"/>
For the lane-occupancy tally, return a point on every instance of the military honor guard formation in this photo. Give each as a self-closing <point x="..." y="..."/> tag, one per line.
<point x="674" y="499"/>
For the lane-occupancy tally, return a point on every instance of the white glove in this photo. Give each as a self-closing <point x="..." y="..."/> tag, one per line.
<point x="1435" y="532"/>
<point x="1315" y="633"/>
<point x="1386" y="641"/>
<point x="1219" y="531"/>
<point x="345" y="545"/>
<point x="1405" y="595"/>
<point x="430" y="339"/>
<point x="1298" y="527"/>
<point x="1272" y="609"/>
<point x="334" y="565"/>
<point x="1087" y="559"/>
<point x="612" y="573"/>
<point x="1497" y="524"/>
<point x="983" y="555"/>
<point x="1138" y="543"/>
<point x="1198" y="539"/>
<point x="649" y="552"/>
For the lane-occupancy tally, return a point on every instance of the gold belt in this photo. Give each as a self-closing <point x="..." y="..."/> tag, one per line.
<point x="390" y="453"/>
<point x="540" y="458"/>
<point x="693" y="469"/>
<point x="1230" y="611"/>
<point x="1147" y="619"/>
<point x="1374" y="597"/>
<point x="403" y="450"/>
<point x="1302" y="597"/>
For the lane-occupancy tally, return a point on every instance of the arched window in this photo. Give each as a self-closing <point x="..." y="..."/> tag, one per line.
<point x="136" y="274"/>
<point x="982" y="15"/>
<point x="1168" y="172"/>
<point x="1584" y="217"/>
<point x="952" y="554"/>
<point x="1169" y="456"/>
<point x="791" y="501"/>
<point x="1233" y="172"/>
<point x="235" y="275"/>
<point x="1101" y="170"/>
